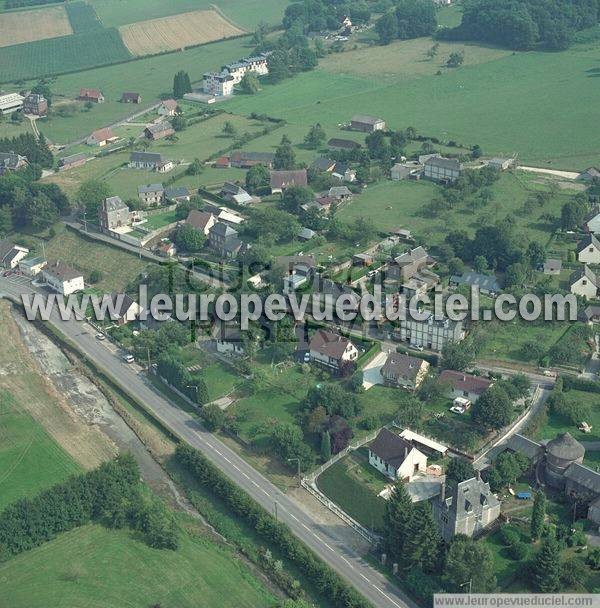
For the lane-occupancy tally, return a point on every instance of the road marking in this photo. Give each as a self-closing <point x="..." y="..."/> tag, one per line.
<point x="368" y="581"/>
<point x="386" y="596"/>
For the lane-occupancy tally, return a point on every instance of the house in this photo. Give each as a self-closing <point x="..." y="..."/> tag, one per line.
<point x="324" y="165"/>
<point x="11" y="254"/>
<point x="114" y="214"/>
<point x="166" y="248"/>
<point x="10" y="103"/>
<point x="331" y="351"/>
<point x="306" y="234"/>
<point x="419" y="284"/>
<point x="404" y="370"/>
<point x="235" y="194"/>
<point x="298" y="271"/>
<point x="367" y="124"/>
<point x="36" y="105"/>
<point x="591" y="314"/>
<point x="218" y="84"/>
<point x="177" y="193"/>
<point x="589" y="175"/>
<point x="151" y="194"/>
<point x="159" y="131"/>
<point x="126" y="309"/>
<point x="222" y="162"/>
<point x="464" y="385"/>
<point x="340" y="193"/>
<point x="552" y="266"/>
<point x="323" y="202"/>
<point x="92" y="95"/>
<point x="592" y="223"/>
<point x="485" y="283"/>
<point x="164" y="166"/>
<point x="344" y="173"/>
<point x="440" y="169"/>
<point x="403" y="234"/>
<point x="101" y="137"/>
<point x="280" y="180"/>
<point x="588" y="250"/>
<point x="399" y="172"/>
<point x="245" y="160"/>
<point x="72" y="161"/>
<point x="31" y="267"/>
<point x="501" y="164"/>
<point x="222" y="238"/>
<point x="424" y="444"/>
<point x="467" y="507"/>
<point x="9" y="161"/>
<point x="584" y="283"/>
<point x="362" y="259"/>
<point x="62" y="278"/>
<point x="229" y="217"/>
<point x="396" y="457"/>
<point x="430" y="332"/>
<point x="150" y="161"/>
<point x="131" y="98"/>
<point x="408" y="264"/>
<point x="201" y="221"/>
<point x="168" y="108"/>
<point x="228" y="339"/>
<point x="336" y="143"/>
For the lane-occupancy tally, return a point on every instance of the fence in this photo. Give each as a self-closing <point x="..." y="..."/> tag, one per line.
<point x="309" y="484"/>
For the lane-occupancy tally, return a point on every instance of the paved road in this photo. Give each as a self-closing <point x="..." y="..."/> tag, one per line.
<point x="323" y="539"/>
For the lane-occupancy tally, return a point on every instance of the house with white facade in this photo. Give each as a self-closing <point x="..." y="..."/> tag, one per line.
<point x="464" y="385"/>
<point x="331" y="351"/>
<point x="31" y="267"/>
<point x="588" y="250"/>
<point x="62" y="278"/>
<point x="440" y="169"/>
<point x="11" y="254"/>
<point x="429" y="332"/>
<point x="396" y="457"/>
<point x="218" y="84"/>
<point x="584" y="283"/>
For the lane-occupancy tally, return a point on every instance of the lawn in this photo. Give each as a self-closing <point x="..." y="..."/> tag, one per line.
<point x="96" y="567"/>
<point x="118" y="268"/>
<point x="159" y="220"/>
<point x="349" y="484"/>
<point x="30" y="460"/>
<point x="510" y="103"/>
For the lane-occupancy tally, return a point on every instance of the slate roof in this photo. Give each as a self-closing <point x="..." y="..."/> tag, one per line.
<point x="444" y="163"/>
<point x="586" y="272"/>
<point x="150" y="188"/>
<point x="222" y="229"/>
<point x="465" y="382"/>
<point x="61" y="271"/>
<point x="587" y="241"/>
<point x="329" y="344"/>
<point x="565" y="447"/>
<point x="523" y="445"/>
<point x="402" y="366"/>
<point x="339" y="191"/>
<point x="483" y="281"/>
<point x="552" y="265"/>
<point x="126" y="302"/>
<point x="283" y="179"/>
<point x="324" y="164"/>
<point x="146" y="157"/>
<point x="198" y="219"/>
<point x="367" y="120"/>
<point x="391" y="448"/>
<point x="584" y="476"/>
<point x="177" y="192"/>
<point x="73" y="158"/>
<point x="114" y="203"/>
<point x="412" y="256"/>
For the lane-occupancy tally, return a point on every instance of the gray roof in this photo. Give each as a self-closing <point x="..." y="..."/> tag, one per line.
<point x="523" y="445"/>
<point x="61" y="271"/>
<point x="591" y="312"/>
<point x="10" y="160"/>
<point x="177" y="191"/>
<point x="483" y="281"/>
<point x="146" y="157"/>
<point x="223" y="229"/>
<point x="339" y="191"/>
<point x="150" y="188"/>
<point x="586" y="272"/>
<point x="160" y="127"/>
<point x="414" y="255"/>
<point x="125" y="301"/>
<point x="584" y="476"/>
<point x="114" y="203"/>
<point x="471" y="496"/>
<point x="6" y="247"/>
<point x="391" y="448"/>
<point x="402" y="366"/>
<point x="445" y="163"/>
<point x="324" y="164"/>
<point x="367" y="120"/>
<point x="73" y="158"/>
<point x="588" y="241"/>
<point x="552" y="265"/>
<point x="306" y="233"/>
<point x="566" y="447"/>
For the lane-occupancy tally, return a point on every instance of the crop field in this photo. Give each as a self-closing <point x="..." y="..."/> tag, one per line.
<point x="176" y="32"/>
<point x="83" y="17"/>
<point x="59" y="55"/>
<point x="38" y="24"/>
<point x="246" y="13"/>
<point x="514" y="103"/>
<point x="96" y="567"/>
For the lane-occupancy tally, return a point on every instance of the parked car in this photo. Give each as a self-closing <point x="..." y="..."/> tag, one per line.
<point x="100" y="336"/>
<point x="128" y="358"/>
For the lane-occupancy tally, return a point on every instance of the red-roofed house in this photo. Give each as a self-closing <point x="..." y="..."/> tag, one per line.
<point x="93" y="95"/>
<point x="464" y="385"/>
<point x="101" y="137"/>
<point x="280" y="180"/>
<point x="331" y="350"/>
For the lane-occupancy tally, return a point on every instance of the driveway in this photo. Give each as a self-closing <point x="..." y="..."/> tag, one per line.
<point x="372" y="371"/>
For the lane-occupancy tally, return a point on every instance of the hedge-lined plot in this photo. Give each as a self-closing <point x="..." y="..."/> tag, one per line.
<point x="61" y="55"/>
<point x="37" y="24"/>
<point x="83" y="17"/>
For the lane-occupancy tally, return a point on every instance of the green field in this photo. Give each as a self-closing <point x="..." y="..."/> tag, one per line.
<point x="59" y="55"/>
<point x="30" y="460"/>
<point x="82" y="17"/>
<point x="247" y="14"/>
<point x="99" y="568"/>
<point x="512" y="102"/>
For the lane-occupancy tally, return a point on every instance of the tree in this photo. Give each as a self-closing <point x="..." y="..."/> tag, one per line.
<point x="507" y="468"/>
<point x="213" y="416"/>
<point x="459" y="470"/>
<point x="538" y="515"/>
<point x="468" y="560"/>
<point x="181" y="84"/>
<point x="546" y="567"/>
<point x="229" y="129"/>
<point x="433" y="51"/>
<point x="195" y="167"/>
<point x="95" y="276"/>
<point x="325" y="446"/>
<point x="387" y="27"/>
<point x="455" y="59"/>
<point x="398" y="512"/>
<point x="257" y="178"/>
<point x="91" y="194"/>
<point x="294" y="197"/>
<point x="515" y="275"/>
<point x="41" y="88"/>
<point x="189" y="238"/>
<point x="249" y="83"/>
<point x="574" y="574"/>
<point x="422" y="543"/>
<point x="315" y="136"/>
<point x="480" y="264"/>
<point x="458" y="355"/>
<point x="493" y="409"/>
<point x="6" y="223"/>
<point x="179" y="123"/>
<point x="285" y="157"/>
<point x="536" y="254"/>
<point x="572" y="214"/>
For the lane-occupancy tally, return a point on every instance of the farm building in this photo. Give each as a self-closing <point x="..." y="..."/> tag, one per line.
<point x="441" y="169"/>
<point x="280" y="180"/>
<point x="245" y="160"/>
<point x="92" y="95"/>
<point x="131" y="98"/>
<point x="101" y="137"/>
<point x="218" y="84"/>
<point x="147" y="160"/>
<point x="589" y="175"/>
<point x="367" y="124"/>
<point x="168" y="108"/>
<point x="70" y="162"/>
<point x="35" y="104"/>
<point x="502" y="164"/>
<point x="11" y="102"/>
<point x="159" y="131"/>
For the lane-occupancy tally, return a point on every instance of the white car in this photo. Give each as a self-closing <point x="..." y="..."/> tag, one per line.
<point x="457" y="409"/>
<point x="100" y="336"/>
<point x="128" y="358"/>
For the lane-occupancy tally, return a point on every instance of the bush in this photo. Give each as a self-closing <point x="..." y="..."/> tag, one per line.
<point x="519" y="551"/>
<point x="509" y="535"/>
<point x="96" y="276"/>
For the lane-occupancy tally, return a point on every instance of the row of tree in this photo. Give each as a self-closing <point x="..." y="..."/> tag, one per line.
<point x="408" y="19"/>
<point x="175" y="373"/>
<point x="321" y="15"/>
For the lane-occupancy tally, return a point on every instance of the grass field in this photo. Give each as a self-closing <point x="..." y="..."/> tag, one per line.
<point x="83" y="17"/>
<point x="30" y="460"/>
<point x="118" y="267"/>
<point x="58" y="55"/>
<point x="247" y="14"/>
<point x="99" y="568"/>
<point x="176" y="32"/>
<point x="513" y="103"/>
<point x="39" y="24"/>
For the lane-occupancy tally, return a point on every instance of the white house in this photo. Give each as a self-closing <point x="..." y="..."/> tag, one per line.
<point x="588" y="250"/>
<point x="228" y="339"/>
<point x="31" y="267"/>
<point x="218" y="84"/>
<point x="11" y="102"/>
<point x="126" y="309"/>
<point x="331" y="350"/>
<point x="464" y="385"/>
<point x="584" y="283"/>
<point x="396" y="457"/>
<point x="62" y="278"/>
<point x="11" y="254"/>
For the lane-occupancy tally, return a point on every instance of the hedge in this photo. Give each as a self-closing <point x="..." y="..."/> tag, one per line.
<point x="580" y="384"/>
<point x="329" y="582"/>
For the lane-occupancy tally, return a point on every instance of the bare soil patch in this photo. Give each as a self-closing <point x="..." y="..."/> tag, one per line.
<point x="27" y="26"/>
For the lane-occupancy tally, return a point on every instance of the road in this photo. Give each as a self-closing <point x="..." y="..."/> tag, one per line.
<point x="323" y="540"/>
<point x="556" y="172"/>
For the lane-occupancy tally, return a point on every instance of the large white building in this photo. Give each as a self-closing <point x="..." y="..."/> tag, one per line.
<point x="11" y="102"/>
<point x="430" y="333"/>
<point x="219" y="84"/>
<point x="62" y="278"/>
<point x="258" y="65"/>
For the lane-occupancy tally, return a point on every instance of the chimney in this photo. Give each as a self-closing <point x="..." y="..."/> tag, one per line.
<point x="443" y="491"/>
